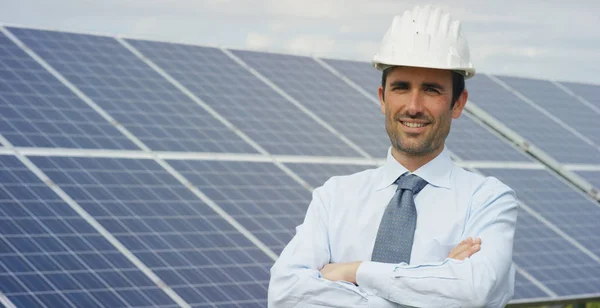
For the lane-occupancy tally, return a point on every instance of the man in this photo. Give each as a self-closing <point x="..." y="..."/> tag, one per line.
<point x="419" y="230"/>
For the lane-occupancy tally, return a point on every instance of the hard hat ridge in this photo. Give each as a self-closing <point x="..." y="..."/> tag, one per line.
<point x="425" y="37"/>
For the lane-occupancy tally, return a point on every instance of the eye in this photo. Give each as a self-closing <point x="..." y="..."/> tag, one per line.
<point x="432" y="90"/>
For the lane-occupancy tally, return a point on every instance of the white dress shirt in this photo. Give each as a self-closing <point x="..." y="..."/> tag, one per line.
<point x="341" y="226"/>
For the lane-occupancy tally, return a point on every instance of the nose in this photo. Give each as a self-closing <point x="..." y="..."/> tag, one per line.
<point x="415" y="104"/>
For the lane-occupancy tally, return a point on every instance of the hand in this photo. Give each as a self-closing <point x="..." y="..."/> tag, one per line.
<point x="341" y="271"/>
<point x="465" y="249"/>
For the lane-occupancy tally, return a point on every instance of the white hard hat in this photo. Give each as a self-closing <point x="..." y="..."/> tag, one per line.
<point x="425" y="37"/>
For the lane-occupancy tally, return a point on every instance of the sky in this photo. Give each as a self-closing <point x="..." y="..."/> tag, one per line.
<point x="558" y="40"/>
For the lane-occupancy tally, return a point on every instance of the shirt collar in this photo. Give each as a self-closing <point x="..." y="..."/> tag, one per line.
<point x="436" y="172"/>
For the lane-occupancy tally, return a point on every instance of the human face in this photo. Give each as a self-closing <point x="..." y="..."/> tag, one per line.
<point x="417" y="105"/>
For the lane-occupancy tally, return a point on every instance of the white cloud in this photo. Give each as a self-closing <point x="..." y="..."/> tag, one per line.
<point x="314" y="45"/>
<point x="258" y="41"/>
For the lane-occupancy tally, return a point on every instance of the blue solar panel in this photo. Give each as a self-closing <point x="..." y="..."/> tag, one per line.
<point x="562" y="105"/>
<point x="560" y="204"/>
<point x="552" y="260"/>
<point x="344" y="108"/>
<point x="51" y="257"/>
<point x="134" y="94"/>
<point x="590" y="92"/>
<point x="192" y="249"/>
<point x="260" y="196"/>
<point x="468" y="139"/>
<point x="593" y="177"/>
<point x="265" y="116"/>
<point x="530" y="123"/>
<point x="37" y="110"/>
<point x="361" y="73"/>
<point x="316" y="174"/>
<point x="526" y="289"/>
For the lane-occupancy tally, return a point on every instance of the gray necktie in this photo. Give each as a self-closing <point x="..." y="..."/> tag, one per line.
<point x="397" y="229"/>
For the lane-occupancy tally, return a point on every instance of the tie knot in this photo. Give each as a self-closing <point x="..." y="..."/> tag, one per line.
<point x="411" y="182"/>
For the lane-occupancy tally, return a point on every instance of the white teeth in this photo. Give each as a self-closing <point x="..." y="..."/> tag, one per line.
<point x="409" y="124"/>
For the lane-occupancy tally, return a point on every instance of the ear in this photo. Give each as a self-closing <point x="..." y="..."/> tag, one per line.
<point x="381" y="102"/>
<point x="460" y="104"/>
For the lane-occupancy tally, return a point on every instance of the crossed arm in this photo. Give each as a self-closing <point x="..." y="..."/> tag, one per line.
<point x="477" y="273"/>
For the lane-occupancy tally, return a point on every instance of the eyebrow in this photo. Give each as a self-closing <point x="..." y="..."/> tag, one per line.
<point x="434" y="85"/>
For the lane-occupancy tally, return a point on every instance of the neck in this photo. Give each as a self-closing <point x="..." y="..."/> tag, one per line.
<point x="413" y="162"/>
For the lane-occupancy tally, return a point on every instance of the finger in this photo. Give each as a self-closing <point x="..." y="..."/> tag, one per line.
<point x="468" y="252"/>
<point x="462" y="246"/>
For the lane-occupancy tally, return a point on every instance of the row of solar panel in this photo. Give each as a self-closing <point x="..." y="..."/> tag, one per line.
<point x="133" y="96"/>
<point x="39" y="111"/>
<point x="52" y="257"/>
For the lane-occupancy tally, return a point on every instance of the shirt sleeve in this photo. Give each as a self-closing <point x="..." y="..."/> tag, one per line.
<point x="296" y="277"/>
<point x="486" y="279"/>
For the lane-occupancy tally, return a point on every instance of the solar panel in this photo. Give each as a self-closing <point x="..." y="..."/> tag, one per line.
<point x="317" y="174"/>
<point x="530" y="123"/>
<point x="552" y="260"/>
<point x="51" y="257"/>
<point x="560" y="104"/>
<point x="130" y="91"/>
<point x="469" y="140"/>
<point x="36" y="110"/>
<point x="195" y="251"/>
<point x="591" y="176"/>
<point x="260" y="196"/>
<point x="526" y="289"/>
<point x="343" y="107"/>
<point x="361" y="73"/>
<point x="192" y="249"/>
<point x="591" y="93"/>
<point x="557" y="202"/>
<point x="267" y="117"/>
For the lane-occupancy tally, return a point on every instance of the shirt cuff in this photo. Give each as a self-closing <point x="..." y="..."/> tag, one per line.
<point x="371" y="277"/>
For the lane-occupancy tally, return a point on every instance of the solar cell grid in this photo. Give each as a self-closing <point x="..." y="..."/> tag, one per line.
<point x="552" y="260"/>
<point x="526" y="289"/>
<point x="317" y="174"/>
<point x="338" y="104"/>
<point x="530" y="123"/>
<point x="260" y="196"/>
<point x="192" y="249"/>
<point x="471" y="141"/>
<point x="560" y="104"/>
<point x="51" y="257"/>
<point x="563" y="206"/>
<point x="265" y="116"/>
<point x="135" y="95"/>
<point x="361" y="73"/>
<point x="590" y="92"/>
<point x="37" y="110"/>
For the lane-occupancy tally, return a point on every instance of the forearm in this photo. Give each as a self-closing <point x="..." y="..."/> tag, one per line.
<point x="469" y="283"/>
<point x="306" y="286"/>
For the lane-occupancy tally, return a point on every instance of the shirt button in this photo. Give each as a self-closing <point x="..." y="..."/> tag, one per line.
<point x="375" y="292"/>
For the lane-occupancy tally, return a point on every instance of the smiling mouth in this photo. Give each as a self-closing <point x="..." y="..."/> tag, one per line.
<point x="413" y="124"/>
